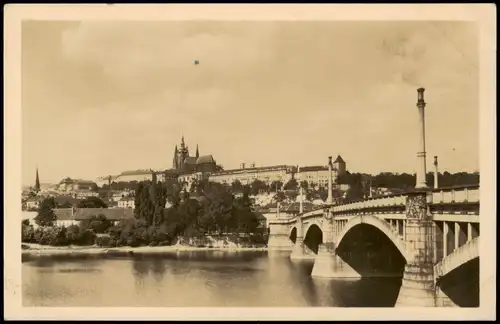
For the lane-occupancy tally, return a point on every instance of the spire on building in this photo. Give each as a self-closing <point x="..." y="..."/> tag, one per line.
<point x="197" y="151"/>
<point x="182" y="143"/>
<point x="339" y="159"/>
<point x="37" y="181"/>
<point x="174" y="160"/>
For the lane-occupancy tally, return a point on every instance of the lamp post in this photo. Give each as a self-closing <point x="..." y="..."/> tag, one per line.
<point x="421" y="168"/>
<point x="329" y="200"/>
<point x="436" y="173"/>
<point x="301" y="206"/>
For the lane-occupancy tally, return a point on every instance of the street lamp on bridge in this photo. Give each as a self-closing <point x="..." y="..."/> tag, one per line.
<point x="421" y="168"/>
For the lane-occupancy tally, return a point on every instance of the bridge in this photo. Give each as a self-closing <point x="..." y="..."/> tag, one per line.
<point x="428" y="237"/>
<point x="423" y="236"/>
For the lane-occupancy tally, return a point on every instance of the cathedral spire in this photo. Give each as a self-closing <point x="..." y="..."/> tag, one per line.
<point x="197" y="151"/>
<point x="182" y="142"/>
<point x="174" y="160"/>
<point x="37" y="181"/>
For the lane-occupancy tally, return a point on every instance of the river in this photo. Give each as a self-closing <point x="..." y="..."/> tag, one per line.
<point x="194" y="279"/>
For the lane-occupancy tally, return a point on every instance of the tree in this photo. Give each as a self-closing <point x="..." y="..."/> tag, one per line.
<point x="244" y="219"/>
<point x="280" y="196"/>
<point x="46" y="215"/>
<point x="291" y="185"/>
<point x="276" y="186"/>
<point x="236" y="186"/>
<point x="28" y="232"/>
<point x="92" y="202"/>
<point x="257" y="185"/>
<point x="291" y="194"/>
<point x="99" y="224"/>
<point x="304" y="184"/>
<point x="356" y="190"/>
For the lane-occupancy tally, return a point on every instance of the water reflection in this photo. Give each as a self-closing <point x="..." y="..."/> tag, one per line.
<point x="195" y="279"/>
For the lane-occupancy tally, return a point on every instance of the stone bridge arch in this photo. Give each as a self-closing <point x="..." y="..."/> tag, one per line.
<point x="457" y="258"/>
<point x="313" y="236"/>
<point x="382" y="226"/>
<point x="457" y="277"/>
<point x="292" y="233"/>
<point x="368" y="247"/>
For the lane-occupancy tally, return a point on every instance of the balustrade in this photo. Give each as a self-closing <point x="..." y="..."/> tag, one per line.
<point x="446" y="196"/>
<point x="459" y="195"/>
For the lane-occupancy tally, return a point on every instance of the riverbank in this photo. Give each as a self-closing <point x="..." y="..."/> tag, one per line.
<point x="39" y="250"/>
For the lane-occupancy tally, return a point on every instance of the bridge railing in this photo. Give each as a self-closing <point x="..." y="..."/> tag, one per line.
<point x="447" y="195"/>
<point x="457" y="195"/>
<point x="383" y="201"/>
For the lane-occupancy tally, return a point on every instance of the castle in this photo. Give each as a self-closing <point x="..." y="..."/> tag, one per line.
<point x="183" y="163"/>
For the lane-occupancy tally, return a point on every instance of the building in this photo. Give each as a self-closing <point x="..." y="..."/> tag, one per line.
<point x="119" y="195"/>
<point x="115" y="215"/>
<point x="269" y="174"/>
<point x="134" y="175"/>
<point x="126" y="202"/>
<point x="33" y="203"/>
<point x="73" y="185"/>
<point x="68" y="200"/>
<point x="131" y="176"/>
<point x="339" y="165"/>
<point x="185" y="164"/>
<point x="65" y="217"/>
<point x="85" y="194"/>
<point x="318" y="175"/>
<point x="101" y="181"/>
<point x="37" y="181"/>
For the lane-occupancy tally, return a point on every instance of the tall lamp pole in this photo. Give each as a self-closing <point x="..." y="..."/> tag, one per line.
<point x="421" y="168"/>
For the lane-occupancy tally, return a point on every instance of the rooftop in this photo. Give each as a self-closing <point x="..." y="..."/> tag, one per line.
<point x="339" y="159"/>
<point x="205" y="159"/>
<point x="256" y="169"/>
<point x="77" y="181"/>
<point x="313" y="168"/>
<point x="113" y="214"/>
<point x="190" y="160"/>
<point x="134" y="172"/>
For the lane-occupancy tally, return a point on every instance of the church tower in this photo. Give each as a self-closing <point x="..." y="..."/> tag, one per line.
<point x="183" y="154"/>
<point x="37" y="181"/>
<point x="197" y="151"/>
<point x="175" y="159"/>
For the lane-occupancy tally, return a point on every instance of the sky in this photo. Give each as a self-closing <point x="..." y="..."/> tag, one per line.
<point x="102" y="97"/>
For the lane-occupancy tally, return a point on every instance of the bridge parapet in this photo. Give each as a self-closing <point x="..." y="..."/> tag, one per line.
<point x="379" y="202"/>
<point x="455" y="195"/>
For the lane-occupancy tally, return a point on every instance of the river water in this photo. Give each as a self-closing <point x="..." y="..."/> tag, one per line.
<point x="194" y="279"/>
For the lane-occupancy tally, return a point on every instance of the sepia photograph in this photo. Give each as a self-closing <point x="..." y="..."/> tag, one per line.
<point x="238" y="162"/>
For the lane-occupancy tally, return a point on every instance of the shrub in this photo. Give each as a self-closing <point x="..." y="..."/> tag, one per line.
<point x="57" y="237"/>
<point x="103" y="240"/>
<point x="86" y="237"/>
<point x="27" y="234"/>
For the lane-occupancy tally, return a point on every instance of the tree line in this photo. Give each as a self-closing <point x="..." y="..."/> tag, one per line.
<point x="209" y="209"/>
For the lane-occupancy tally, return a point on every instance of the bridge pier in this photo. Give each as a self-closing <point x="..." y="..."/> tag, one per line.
<point x="329" y="265"/>
<point x="279" y="242"/>
<point x="279" y="236"/>
<point x="418" y="286"/>
<point x="299" y="249"/>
